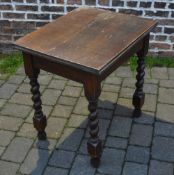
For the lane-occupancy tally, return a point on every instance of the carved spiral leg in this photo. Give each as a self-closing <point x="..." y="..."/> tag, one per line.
<point x="139" y="96"/>
<point x="94" y="144"/>
<point x="39" y="120"/>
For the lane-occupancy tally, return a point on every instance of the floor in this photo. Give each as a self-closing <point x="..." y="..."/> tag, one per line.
<point x="139" y="146"/>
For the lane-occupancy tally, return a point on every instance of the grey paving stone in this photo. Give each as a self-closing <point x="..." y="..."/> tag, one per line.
<point x="160" y="168"/>
<point x="162" y="148"/>
<point x="165" y="112"/>
<point x="171" y="73"/>
<point x="105" y="114"/>
<point x="150" y="88"/>
<point x="16" y="79"/>
<point x="150" y="103"/>
<point x="129" y="82"/>
<point x="62" y="111"/>
<point x="164" y="129"/>
<point x="83" y="147"/>
<point x="7" y="90"/>
<point x="126" y="92"/>
<point x="5" y="137"/>
<point x="45" y="144"/>
<point x="1" y="82"/>
<point x="112" y="161"/>
<point x="70" y="139"/>
<point x="106" y="104"/>
<point x="62" y="159"/>
<point x="141" y="135"/>
<point x="2" y="102"/>
<point x="24" y="88"/>
<point x="124" y="71"/>
<point x="81" y="106"/>
<point x="21" y="98"/>
<point x="145" y="118"/>
<point x="17" y="150"/>
<point x="159" y="72"/>
<point x="70" y="101"/>
<point x="8" y="168"/>
<point x="50" y="96"/>
<point x="103" y="125"/>
<point x="167" y="83"/>
<point x="21" y="71"/>
<point x="27" y="130"/>
<point x="57" y="77"/>
<point x="1" y="150"/>
<point x="16" y="110"/>
<point x="166" y="95"/>
<point x="82" y="166"/>
<point x="10" y="123"/>
<point x="55" y="171"/>
<point x="72" y="91"/>
<point x="120" y="127"/>
<point x="124" y="107"/>
<point x="57" y="84"/>
<point x="107" y="100"/>
<point x="74" y="83"/>
<point x="151" y="80"/>
<point x="46" y="110"/>
<point x="110" y="88"/>
<point x="55" y="127"/>
<point x="44" y="79"/>
<point x="113" y="80"/>
<point x="138" y="154"/>
<point x="116" y="142"/>
<point x="111" y="96"/>
<point x="134" y="169"/>
<point x="78" y="121"/>
<point x="35" y="162"/>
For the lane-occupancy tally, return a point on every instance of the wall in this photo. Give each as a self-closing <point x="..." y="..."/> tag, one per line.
<point x="18" y="17"/>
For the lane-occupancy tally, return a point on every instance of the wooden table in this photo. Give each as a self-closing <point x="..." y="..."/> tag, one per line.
<point x="86" y="45"/>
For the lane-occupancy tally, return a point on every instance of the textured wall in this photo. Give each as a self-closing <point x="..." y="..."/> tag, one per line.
<point x="18" y="17"/>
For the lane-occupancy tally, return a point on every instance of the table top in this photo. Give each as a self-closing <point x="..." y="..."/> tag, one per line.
<point x="86" y="38"/>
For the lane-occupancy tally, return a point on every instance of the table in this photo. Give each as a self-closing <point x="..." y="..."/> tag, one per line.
<point x="86" y="45"/>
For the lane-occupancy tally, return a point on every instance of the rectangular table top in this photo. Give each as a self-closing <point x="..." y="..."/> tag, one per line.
<point x="86" y="38"/>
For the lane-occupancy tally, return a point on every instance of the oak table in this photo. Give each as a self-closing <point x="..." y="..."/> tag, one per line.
<point x="86" y="45"/>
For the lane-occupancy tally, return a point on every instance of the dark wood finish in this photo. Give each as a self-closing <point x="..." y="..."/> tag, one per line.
<point x="86" y="45"/>
<point x="139" y="95"/>
<point x="92" y="88"/>
<point x="87" y="38"/>
<point x="39" y="119"/>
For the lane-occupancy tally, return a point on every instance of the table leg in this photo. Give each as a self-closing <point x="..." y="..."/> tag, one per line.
<point x="139" y="95"/>
<point x="39" y="119"/>
<point x="94" y="144"/>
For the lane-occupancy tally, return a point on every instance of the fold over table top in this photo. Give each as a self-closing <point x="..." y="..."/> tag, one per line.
<point x="86" y="38"/>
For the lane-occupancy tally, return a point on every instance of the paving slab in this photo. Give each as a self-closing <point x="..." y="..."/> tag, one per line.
<point x="120" y="127"/>
<point x="17" y="149"/>
<point x="16" y="110"/>
<point x="134" y="169"/>
<point x="35" y="162"/>
<point x="160" y="168"/>
<point x="141" y="135"/>
<point x="132" y="146"/>
<point x="8" y="168"/>
<point x="54" y="171"/>
<point x="7" y="90"/>
<point x="112" y="161"/>
<point x="162" y="149"/>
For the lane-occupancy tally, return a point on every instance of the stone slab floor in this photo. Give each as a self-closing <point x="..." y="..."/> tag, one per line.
<point x="142" y="146"/>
